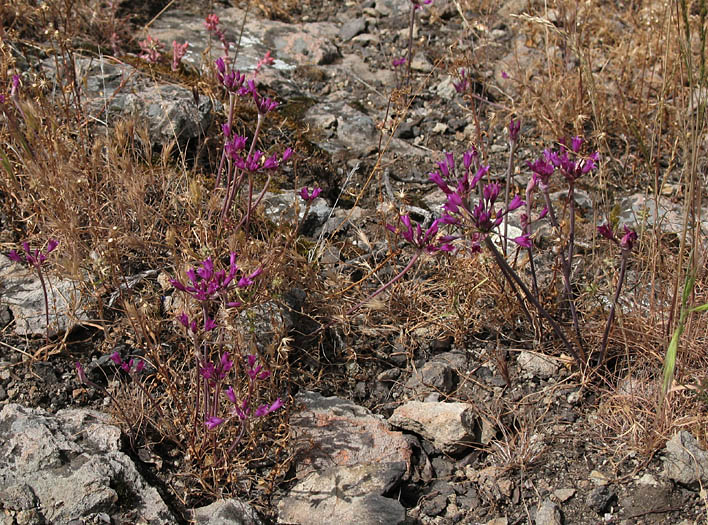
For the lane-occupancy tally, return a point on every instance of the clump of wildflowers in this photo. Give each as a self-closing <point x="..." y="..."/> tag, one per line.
<point x="242" y="410"/>
<point x="36" y="258"/>
<point x="212" y="288"/>
<point x="572" y="165"/>
<point x="308" y="196"/>
<point x="239" y="167"/>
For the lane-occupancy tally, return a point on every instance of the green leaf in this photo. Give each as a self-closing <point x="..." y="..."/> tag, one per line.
<point x="670" y="361"/>
<point x="701" y="308"/>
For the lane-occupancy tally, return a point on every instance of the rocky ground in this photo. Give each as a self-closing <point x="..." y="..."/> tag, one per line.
<point x="431" y="429"/>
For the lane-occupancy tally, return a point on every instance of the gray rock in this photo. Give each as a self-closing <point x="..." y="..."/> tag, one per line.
<point x="355" y="131"/>
<point x="451" y="427"/>
<point x="638" y="210"/>
<point x="600" y="498"/>
<point x="70" y="466"/>
<point x="347" y="459"/>
<point x="445" y="89"/>
<point x="583" y="200"/>
<point x="421" y="64"/>
<point x="280" y="207"/>
<point x="290" y="44"/>
<point x="537" y="365"/>
<point x="646" y="499"/>
<point x="433" y="376"/>
<point x="345" y="495"/>
<point x="115" y="91"/>
<point x="684" y="461"/>
<point x="354" y="66"/>
<point x="342" y="219"/>
<point x="21" y="291"/>
<point x="226" y="512"/>
<point x="352" y="28"/>
<point x="548" y="514"/>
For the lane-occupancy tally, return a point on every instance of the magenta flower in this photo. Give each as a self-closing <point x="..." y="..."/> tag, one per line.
<point x="247" y="280"/>
<point x="127" y="366"/>
<point x="218" y="372"/>
<point x="81" y="372"/>
<point x="264" y="410"/>
<point x="206" y="283"/>
<point x="628" y="239"/>
<point x="33" y="258"/>
<point x="397" y="62"/>
<point x="233" y="80"/>
<point x="427" y="241"/>
<point x="514" y="128"/>
<point x="235" y="145"/>
<point x="213" y="422"/>
<point x="257" y="162"/>
<point x="418" y="4"/>
<point x="605" y="231"/>
<point x="309" y="197"/>
<point x="626" y="242"/>
<point x="15" y="89"/>
<point x="572" y="169"/>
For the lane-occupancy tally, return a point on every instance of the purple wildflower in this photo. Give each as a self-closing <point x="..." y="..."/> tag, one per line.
<point x="309" y="197"/>
<point x="205" y="282"/>
<point x="514" y="128"/>
<point x="213" y="422"/>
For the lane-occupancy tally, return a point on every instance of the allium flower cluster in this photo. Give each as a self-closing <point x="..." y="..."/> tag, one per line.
<point x="257" y="161"/>
<point x="427" y="241"/>
<point x="231" y="80"/>
<point x="309" y="197"/>
<point x="484" y="216"/>
<point x="217" y="373"/>
<point x="130" y="366"/>
<point x="193" y="326"/>
<point x="242" y="410"/>
<point x="561" y="160"/>
<point x="626" y="242"/>
<point x="464" y="82"/>
<point x="514" y="128"/>
<point x="33" y="258"/>
<point x="207" y="284"/>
